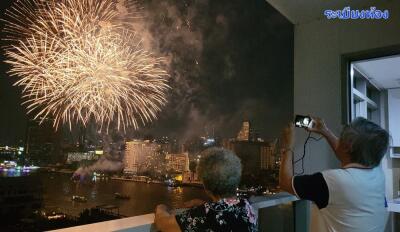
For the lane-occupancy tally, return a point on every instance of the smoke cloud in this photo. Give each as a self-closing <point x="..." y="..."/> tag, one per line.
<point x="103" y="165"/>
<point x="113" y="143"/>
<point x="229" y="61"/>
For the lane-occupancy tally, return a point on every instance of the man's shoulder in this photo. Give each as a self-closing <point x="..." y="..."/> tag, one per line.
<point x="335" y="174"/>
<point x="345" y="172"/>
<point x="333" y="171"/>
<point x="347" y="178"/>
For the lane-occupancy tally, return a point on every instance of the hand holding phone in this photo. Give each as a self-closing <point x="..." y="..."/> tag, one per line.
<point x="311" y="124"/>
<point x="303" y="121"/>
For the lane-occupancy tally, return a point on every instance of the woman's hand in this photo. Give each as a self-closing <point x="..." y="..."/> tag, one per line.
<point x="162" y="208"/>
<point x="193" y="203"/>
<point x="164" y="220"/>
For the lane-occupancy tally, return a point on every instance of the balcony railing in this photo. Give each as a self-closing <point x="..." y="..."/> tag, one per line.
<point x="269" y="209"/>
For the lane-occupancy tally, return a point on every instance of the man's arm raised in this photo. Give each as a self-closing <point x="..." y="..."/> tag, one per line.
<point x="286" y="169"/>
<point x="320" y="127"/>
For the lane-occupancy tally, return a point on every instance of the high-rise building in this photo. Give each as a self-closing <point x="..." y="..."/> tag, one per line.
<point x="177" y="162"/>
<point x="258" y="157"/>
<point x="73" y="157"/>
<point x="268" y="158"/>
<point x="168" y="145"/>
<point x="10" y="153"/>
<point x="244" y="133"/>
<point x="247" y="133"/>
<point x="137" y="155"/>
<point x="43" y="143"/>
<point x="259" y="162"/>
<point x="254" y="155"/>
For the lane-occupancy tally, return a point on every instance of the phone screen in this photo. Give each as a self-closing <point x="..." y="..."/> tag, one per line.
<point x="302" y="121"/>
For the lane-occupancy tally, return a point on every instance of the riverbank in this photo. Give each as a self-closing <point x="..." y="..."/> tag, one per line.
<point x="147" y="180"/>
<point x="138" y="179"/>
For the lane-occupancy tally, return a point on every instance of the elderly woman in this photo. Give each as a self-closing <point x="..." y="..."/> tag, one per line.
<point x="220" y="171"/>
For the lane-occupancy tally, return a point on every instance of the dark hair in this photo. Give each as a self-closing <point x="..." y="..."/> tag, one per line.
<point x="220" y="171"/>
<point x="368" y="142"/>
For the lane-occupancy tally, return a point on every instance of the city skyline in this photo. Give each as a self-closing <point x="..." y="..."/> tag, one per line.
<point x="118" y="126"/>
<point x="218" y="92"/>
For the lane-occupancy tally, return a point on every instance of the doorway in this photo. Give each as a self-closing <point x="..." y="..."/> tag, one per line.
<point x="373" y="92"/>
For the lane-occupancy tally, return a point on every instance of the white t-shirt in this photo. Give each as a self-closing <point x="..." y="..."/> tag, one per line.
<point x="348" y="200"/>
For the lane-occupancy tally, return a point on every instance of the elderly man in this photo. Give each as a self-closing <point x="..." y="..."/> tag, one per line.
<point x="349" y="199"/>
<point x="220" y="171"/>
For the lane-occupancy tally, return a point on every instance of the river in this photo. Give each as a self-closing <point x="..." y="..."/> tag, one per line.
<point x="58" y="189"/>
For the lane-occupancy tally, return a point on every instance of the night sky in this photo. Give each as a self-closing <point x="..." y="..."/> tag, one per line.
<point x="229" y="60"/>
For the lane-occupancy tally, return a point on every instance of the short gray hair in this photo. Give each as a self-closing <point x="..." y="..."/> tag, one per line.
<point x="368" y="142"/>
<point x="220" y="171"/>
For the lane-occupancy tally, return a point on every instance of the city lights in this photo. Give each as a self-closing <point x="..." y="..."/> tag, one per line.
<point x="110" y="107"/>
<point x="13" y="166"/>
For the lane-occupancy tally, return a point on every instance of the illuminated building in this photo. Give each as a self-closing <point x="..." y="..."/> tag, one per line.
<point x="138" y="155"/>
<point x="247" y="133"/>
<point x="168" y="145"/>
<point x="254" y="155"/>
<point x="259" y="160"/>
<point x="11" y="150"/>
<point x="268" y="159"/>
<point x="244" y="133"/>
<point x="79" y="156"/>
<point x="177" y="162"/>
<point x="11" y="153"/>
<point x="8" y="164"/>
<point x="254" y="152"/>
<point x="258" y="157"/>
<point x="208" y="142"/>
<point x="190" y="177"/>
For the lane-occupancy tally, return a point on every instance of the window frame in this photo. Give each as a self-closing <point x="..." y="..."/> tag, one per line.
<point x="346" y="61"/>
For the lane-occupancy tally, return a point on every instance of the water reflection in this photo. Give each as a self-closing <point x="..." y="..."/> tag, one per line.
<point x="59" y="189"/>
<point x="14" y="172"/>
<point x="176" y="196"/>
<point x="65" y="187"/>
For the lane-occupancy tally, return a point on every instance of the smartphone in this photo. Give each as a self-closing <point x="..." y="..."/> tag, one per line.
<point x="303" y="121"/>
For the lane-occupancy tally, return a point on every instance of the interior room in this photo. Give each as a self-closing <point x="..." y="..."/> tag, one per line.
<point x="375" y="94"/>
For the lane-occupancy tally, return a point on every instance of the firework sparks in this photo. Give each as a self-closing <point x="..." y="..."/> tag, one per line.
<point x="79" y="60"/>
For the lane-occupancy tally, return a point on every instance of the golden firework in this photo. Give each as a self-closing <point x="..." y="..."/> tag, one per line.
<point x="79" y="60"/>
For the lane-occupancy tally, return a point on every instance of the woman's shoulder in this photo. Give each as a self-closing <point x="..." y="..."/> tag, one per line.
<point x="219" y="216"/>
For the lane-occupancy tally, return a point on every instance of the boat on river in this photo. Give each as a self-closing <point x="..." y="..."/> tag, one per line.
<point x="79" y="199"/>
<point x="121" y="196"/>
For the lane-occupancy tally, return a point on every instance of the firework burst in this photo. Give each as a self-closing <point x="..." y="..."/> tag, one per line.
<point x="79" y="60"/>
